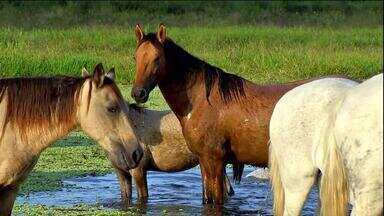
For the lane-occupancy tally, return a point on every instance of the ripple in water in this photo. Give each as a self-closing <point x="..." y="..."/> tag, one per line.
<point x="175" y="193"/>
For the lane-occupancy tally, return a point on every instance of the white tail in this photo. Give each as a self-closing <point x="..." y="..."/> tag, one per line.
<point x="277" y="187"/>
<point x="334" y="184"/>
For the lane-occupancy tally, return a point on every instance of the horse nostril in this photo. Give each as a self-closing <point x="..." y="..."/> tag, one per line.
<point x="139" y="93"/>
<point x="142" y="93"/>
<point x="136" y="156"/>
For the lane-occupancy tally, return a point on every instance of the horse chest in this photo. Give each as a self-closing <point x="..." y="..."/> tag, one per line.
<point x="15" y="171"/>
<point x="195" y="125"/>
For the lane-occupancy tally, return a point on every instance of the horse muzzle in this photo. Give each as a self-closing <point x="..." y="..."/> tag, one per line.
<point x="124" y="160"/>
<point x="140" y="95"/>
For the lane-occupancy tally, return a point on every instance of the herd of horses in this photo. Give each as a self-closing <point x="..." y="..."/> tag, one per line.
<point x="328" y="129"/>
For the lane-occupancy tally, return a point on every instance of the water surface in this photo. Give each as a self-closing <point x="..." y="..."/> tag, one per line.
<point x="173" y="193"/>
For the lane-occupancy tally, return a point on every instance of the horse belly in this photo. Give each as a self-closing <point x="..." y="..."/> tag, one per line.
<point x="174" y="157"/>
<point x="13" y="171"/>
<point x="250" y="147"/>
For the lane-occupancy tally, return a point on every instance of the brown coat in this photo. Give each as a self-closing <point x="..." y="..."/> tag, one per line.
<point x="165" y="150"/>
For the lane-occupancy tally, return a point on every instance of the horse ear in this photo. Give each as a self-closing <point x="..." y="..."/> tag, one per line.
<point x="111" y="74"/>
<point x="98" y="74"/>
<point x="139" y="33"/>
<point x="161" y="33"/>
<point x="84" y="72"/>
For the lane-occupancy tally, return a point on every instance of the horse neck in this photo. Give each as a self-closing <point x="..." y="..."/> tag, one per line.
<point x="45" y="136"/>
<point x="179" y="89"/>
<point x="42" y="136"/>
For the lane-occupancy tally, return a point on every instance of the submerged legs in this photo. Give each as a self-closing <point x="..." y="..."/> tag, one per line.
<point x="212" y="172"/>
<point x="140" y="176"/>
<point x="125" y="180"/>
<point x="7" y="199"/>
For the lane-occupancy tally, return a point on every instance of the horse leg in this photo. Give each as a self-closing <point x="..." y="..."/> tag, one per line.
<point x="213" y="178"/>
<point x="125" y="180"/>
<point x="367" y="193"/>
<point x="205" y="178"/>
<point x="296" y="187"/>
<point x="7" y="199"/>
<point x="296" y="175"/>
<point x="365" y="204"/>
<point x="218" y="183"/>
<point x="140" y="176"/>
<point x="227" y="186"/>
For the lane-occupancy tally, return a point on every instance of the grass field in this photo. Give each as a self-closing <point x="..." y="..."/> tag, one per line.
<point x="259" y="53"/>
<point x="263" y="53"/>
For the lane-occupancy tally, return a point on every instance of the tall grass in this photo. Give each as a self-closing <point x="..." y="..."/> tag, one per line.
<point x="259" y="53"/>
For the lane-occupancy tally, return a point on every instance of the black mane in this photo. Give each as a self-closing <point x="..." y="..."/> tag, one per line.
<point x="188" y="67"/>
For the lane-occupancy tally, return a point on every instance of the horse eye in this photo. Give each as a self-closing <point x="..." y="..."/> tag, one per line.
<point x="113" y="109"/>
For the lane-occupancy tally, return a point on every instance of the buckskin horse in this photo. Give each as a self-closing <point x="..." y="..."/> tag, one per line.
<point x="34" y="112"/>
<point x="224" y="118"/>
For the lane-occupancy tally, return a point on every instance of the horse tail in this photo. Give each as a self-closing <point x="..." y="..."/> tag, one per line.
<point x="277" y="186"/>
<point x="238" y="169"/>
<point x="334" y="185"/>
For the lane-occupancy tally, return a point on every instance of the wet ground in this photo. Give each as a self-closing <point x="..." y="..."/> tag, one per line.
<point x="172" y="193"/>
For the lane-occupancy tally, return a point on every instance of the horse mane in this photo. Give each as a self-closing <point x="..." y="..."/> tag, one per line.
<point x="188" y="67"/>
<point x="40" y="101"/>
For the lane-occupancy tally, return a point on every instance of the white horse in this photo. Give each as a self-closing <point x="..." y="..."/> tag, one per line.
<point x="334" y="126"/>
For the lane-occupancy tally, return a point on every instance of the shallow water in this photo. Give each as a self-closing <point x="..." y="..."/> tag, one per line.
<point x="173" y="193"/>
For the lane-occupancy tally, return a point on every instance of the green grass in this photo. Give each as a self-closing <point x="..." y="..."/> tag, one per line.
<point x="78" y="210"/>
<point x="261" y="54"/>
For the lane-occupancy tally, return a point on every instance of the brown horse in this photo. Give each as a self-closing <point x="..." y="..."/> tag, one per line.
<point x="224" y="118"/>
<point x="165" y="150"/>
<point x="34" y="112"/>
